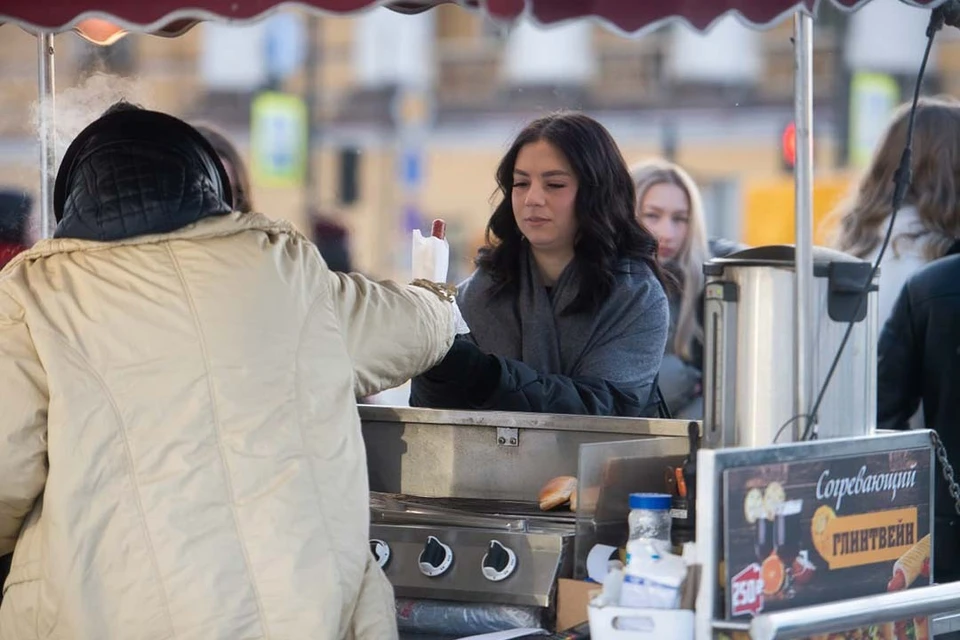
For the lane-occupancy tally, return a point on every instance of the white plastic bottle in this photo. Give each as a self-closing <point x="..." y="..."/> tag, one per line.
<point x="649" y="522"/>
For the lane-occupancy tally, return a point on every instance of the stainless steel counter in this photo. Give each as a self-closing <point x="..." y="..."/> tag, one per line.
<point x="477" y="454"/>
<point x="549" y="421"/>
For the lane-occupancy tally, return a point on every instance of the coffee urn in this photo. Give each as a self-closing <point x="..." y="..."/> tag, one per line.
<point x="749" y="347"/>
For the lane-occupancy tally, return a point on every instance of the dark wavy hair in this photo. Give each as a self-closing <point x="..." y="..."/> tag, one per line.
<point x="605" y="204"/>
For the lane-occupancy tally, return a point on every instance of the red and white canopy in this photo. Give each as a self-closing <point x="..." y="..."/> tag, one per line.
<point x="173" y="17"/>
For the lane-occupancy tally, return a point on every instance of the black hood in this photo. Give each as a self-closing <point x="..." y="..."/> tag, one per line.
<point x="135" y="172"/>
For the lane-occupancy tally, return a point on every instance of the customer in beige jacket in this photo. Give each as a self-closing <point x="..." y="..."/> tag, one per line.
<point x="180" y="450"/>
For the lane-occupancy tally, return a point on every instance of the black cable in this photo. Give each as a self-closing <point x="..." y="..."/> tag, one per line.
<point x="787" y="424"/>
<point x="662" y="406"/>
<point x="901" y="181"/>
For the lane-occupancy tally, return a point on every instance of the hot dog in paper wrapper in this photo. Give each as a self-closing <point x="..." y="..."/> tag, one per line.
<point x="911" y="565"/>
<point x="431" y="261"/>
<point x="431" y="255"/>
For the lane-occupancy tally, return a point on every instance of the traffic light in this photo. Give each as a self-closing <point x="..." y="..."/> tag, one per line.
<point x="788" y="146"/>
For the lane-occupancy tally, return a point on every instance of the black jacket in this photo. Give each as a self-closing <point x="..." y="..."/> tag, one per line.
<point x="469" y="378"/>
<point x="919" y="359"/>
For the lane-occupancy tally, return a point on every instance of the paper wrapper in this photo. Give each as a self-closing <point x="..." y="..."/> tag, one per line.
<point x="431" y="261"/>
<point x="911" y="563"/>
<point x="431" y="258"/>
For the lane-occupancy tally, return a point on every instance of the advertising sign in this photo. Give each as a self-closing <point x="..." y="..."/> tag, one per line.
<point x="279" y="139"/>
<point x="815" y="531"/>
<point x="873" y="99"/>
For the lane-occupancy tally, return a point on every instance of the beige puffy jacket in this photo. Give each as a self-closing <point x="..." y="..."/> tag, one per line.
<point x="180" y="450"/>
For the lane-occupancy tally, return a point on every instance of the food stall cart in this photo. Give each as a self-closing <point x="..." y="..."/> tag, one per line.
<point x="460" y="473"/>
<point x="450" y="488"/>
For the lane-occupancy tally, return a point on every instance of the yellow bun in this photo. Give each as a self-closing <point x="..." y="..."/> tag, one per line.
<point x="557" y="492"/>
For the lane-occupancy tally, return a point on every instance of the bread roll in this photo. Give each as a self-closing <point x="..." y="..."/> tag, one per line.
<point x="557" y="492"/>
<point x="573" y="499"/>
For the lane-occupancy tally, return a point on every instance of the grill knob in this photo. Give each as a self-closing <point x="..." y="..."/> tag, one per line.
<point x="436" y="558"/>
<point x="499" y="563"/>
<point x="381" y="552"/>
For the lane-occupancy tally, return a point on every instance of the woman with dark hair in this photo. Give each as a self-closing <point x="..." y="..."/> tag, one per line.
<point x="566" y="309"/>
<point x="233" y="162"/>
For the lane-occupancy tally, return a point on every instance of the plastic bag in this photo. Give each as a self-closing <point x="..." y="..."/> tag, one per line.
<point x="438" y="617"/>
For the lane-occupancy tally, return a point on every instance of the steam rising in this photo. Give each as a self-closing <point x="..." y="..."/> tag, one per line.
<point x="76" y="107"/>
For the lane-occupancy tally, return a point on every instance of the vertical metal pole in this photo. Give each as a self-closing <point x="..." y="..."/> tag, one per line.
<point x="311" y="186"/>
<point x="842" y="100"/>
<point x="48" y="139"/>
<point x="803" y="201"/>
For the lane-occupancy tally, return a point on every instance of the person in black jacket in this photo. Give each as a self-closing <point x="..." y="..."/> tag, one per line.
<point x="566" y="308"/>
<point x="919" y="359"/>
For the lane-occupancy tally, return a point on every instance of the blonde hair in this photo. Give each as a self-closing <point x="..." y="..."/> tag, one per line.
<point x="693" y="252"/>
<point x="933" y="189"/>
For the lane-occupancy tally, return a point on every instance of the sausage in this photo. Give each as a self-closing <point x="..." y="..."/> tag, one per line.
<point x="898" y="582"/>
<point x="439" y="229"/>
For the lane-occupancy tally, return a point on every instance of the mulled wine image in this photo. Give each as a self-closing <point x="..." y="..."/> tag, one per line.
<point x="779" y="536"/>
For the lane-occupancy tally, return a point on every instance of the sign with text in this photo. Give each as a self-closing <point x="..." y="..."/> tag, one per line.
<point x="814" y="531"/>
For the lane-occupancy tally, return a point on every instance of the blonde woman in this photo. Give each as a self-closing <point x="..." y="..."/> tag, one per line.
<point x="929" y="221"/>
<point x="669" y="205"/>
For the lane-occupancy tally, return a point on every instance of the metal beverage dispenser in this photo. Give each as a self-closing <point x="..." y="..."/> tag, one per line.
<point x="749" y="347"/>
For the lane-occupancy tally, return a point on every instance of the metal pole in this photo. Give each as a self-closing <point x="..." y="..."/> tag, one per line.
<point x="48" y="139"/>
<point x="803" y="201"/>
<point x="842" y="101"/>
<point x="311" y="186"/>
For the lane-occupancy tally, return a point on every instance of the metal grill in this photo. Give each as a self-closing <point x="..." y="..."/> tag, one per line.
<point x="507" y="509"/>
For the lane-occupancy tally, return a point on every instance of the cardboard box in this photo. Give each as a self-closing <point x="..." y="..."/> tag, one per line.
<point x="573" y="598"/>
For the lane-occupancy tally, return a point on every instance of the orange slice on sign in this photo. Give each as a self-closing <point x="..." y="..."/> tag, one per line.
<point x="774" y="574"/>
<point x="820" y="528"/>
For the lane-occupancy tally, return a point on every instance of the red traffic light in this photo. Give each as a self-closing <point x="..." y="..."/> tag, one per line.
<point x="788" y="145"/>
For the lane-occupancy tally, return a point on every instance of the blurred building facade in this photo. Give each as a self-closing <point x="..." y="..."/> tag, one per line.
<point x="716" y="103"/>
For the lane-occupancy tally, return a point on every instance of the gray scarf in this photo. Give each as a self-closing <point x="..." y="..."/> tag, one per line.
<point x="621" y="343"/>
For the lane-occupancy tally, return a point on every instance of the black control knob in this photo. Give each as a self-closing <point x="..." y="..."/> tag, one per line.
<point x="381" y="552"/>
<point x="499" y="563"/>
<point x="436" y="558"/>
